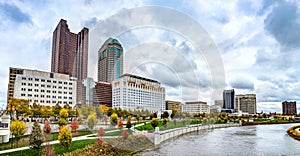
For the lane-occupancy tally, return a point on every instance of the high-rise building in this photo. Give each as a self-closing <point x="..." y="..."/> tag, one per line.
<point x="246" y="103"/>
<point x="289" y="108"/>
<point x="103" y="94"/>
<point x="228" y="99"/>
<point x="70" y="54"/>
<point x="137" y="93"/>
<point x="43" y="88"/>
<point x="195" y="107"/>
<point x="110" y="61"/>
<point x="173" y="105"/>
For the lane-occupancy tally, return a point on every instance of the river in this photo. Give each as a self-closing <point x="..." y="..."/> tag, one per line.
<point x="247" y="140"/>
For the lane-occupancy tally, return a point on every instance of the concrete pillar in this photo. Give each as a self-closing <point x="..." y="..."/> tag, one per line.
<point x="156" y="136"/>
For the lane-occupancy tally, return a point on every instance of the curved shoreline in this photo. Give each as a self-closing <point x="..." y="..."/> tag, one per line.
<point x="294" y="132"/>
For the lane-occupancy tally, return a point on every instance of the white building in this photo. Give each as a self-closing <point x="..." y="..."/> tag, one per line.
<point x="45" y="88"/>
<point x="136" y="93"/>
<point x="195" y="107"/>
<point x="4" y="129"/>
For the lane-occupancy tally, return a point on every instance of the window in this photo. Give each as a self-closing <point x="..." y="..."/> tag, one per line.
<point x="59" y="97"/>
<point x="23" y="89"/>
<point x="36" y="95"/>
<point x="23" y="78"/>
<point x="48" y="91"/>
<point x="29" y="90"/>
<point x="59" y="87"/>
<point x="36" y="90"/>
<point x="48" y="86"/>
<point x="53" y="101"/>
<point x="42" y="96"/>
<point x="65" y="97"/>
<point x="49" y="81"/>
<point x="65" y="88"/>
<point x="59" y="82"/>
<point x="29" y="84"/>
<point x="36" y="85"/>
<point x="42" y="85"/>
<point x="42" y="90"/>
<point x="54" y="86"/>
<point x="65" y="83"/>
<point x="70" y="93"/>
<point x="37" y="79"/>
<point x="59" y="92"/>
<point x="70" y="83"/>
<point x="70" y="88"/>
<point x="48" y="96"/>
<point x="29" y="95"/>
<point x="30" y="79"/>
<point x="70" y="98"/>
<point x="53" y="97"/>
<point x="65" y="92"/>
<point x="54" y="91"/>
<point x="54" y="81"/>
<point x="43" y="80"/>
<point x="23" y="95"/>
<point x="24" y="84"/>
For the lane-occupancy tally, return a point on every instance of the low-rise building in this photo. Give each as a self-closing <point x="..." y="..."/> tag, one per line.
<point x="43" y="88"/>
<point x="137" y="93"/>
<point x="195" y="107"/>
<point x="173" y="105"/>
<point x="103" y="94"/>
<point x="246" y="103"/>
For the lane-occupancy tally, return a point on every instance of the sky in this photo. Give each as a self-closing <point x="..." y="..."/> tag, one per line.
<point x="194" y="48"/>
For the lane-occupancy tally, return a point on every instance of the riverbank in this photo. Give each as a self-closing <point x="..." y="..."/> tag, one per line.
<point x="294" y="132"/>
<point x="268" y="123"/>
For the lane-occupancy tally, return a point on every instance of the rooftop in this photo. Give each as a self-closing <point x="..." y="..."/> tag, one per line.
<point x="138" y="77"/>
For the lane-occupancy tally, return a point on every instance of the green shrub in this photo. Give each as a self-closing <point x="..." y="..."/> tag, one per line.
<point x="154" y="122"/>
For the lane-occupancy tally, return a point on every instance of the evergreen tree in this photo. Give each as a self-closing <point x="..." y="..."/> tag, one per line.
<point x="36" y="137"/>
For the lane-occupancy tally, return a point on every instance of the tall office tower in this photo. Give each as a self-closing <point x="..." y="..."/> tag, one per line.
<point x="110" y="61"/>
<point x="246" y="103"/>
<point x="228" y="99"/>
<point x="70" y="53"/>
<point x="289" y="108"/>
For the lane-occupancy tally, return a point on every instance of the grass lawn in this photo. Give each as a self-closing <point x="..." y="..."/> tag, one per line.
<point x="115" y="133"/>
<point x="57" y="148"/>
<point x="24" y="140"/>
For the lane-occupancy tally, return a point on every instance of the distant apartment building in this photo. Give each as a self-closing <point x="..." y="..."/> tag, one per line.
<point x="103" y="94"/>
<point x="289" y="108"/>
<point x="110" y="61"/>
<point x="137" y="93"/>
<point x="41" y="87"/>
<point x="70" y="55"/>
<point x="173" y="105"/>
<point x="219" y="103"/>
<point x="195" y="107"/>
<point x="246" y="103"/>
<point x="228" y="99"/>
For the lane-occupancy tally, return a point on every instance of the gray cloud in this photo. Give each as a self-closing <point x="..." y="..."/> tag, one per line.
<point x="283" y="24"/>
<point x="90" y="23"/>
<point x="242" y="83"/>
<point x="14" y="13"/>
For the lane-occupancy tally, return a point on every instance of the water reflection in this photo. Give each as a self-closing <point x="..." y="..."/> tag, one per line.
<point x="247" y="140"/>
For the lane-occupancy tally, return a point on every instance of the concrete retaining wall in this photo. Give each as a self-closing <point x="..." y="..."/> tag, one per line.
<point x="160" y="136"/>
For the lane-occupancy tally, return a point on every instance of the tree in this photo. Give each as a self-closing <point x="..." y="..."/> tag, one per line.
<point x="138" y="118"/>
<point x="18" y="128"/>
<point x="128" y="124"/>
<point x="36" y="137"/>
<point x="125" y="134"/>
<point x="114" y="119"/>
<point x="165" y="115"/>
<point x="37" y="111"/>
<point x="63" y="113"/>
<point x="104" y="108"/>
<point x="120" y="123"/>
<point x="65" y="137"/>
<point x="22" y="107"/>
<point x="154" y="122"/>
<point x="56" y="109"/>
<point x="91" y="120"/>
<point x="74" y="124"/>
<point x="47" y="127"/>
<point x="165" y="121"/>
<point x="62" y="122"/>
<point x="101" y="132"/>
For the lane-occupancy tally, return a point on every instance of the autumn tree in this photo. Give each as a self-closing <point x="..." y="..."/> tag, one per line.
<point x="128" y="124"/>
<point x="18" y="128"/>
<point x="63" y="113"/>
<point x="74" y="124"/>
<point x="36" y="109"/>
<point x="114" y="119"/>
<point x="154" y="122"/>
<point x="65" y="137"/>
<point x="47" y="127"/>
<point x="91" y="120"/>
<point x="120" y="123"/>
<point x="56" y="109"/>
<point x="36" y="137"/>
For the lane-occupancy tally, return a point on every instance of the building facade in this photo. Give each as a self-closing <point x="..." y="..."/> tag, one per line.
<point x="44" y="88"/>
<point x="13" y="72"/>
<point x="103" y="94"/>
<point x="137" y="93"/>
<point x="228" y="99"/>
<point x="70" y="55"/>
<point x="110" y="61"/>
<point x="173" y="105"/>
<point x="289" y="108"/>
<point x="195" y="107"/>
<point x="246" y="103"/>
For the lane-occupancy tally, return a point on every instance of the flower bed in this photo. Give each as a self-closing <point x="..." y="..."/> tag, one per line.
<point x="294" y="133"/>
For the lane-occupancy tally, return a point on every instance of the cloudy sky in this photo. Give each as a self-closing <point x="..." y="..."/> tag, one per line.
<point x="192" y="47"/>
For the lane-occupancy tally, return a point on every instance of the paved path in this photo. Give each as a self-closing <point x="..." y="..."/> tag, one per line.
<point x="85" y="137"/>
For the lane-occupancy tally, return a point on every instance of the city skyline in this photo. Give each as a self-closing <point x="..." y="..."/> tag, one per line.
<point x="254" y="44"/>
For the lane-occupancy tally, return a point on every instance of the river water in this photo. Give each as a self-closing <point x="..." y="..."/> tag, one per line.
<point x="247" y="140"/>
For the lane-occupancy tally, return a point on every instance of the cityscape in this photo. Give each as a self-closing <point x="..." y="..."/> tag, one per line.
<point x="134" y="75"/>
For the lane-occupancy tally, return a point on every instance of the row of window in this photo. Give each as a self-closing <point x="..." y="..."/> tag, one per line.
<point x="49" y="81"/>
<point x="48" y="101"/>
<point x="48" y="86"/>
<point x="47" y="96"/>
<point x="47" y="91"/>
